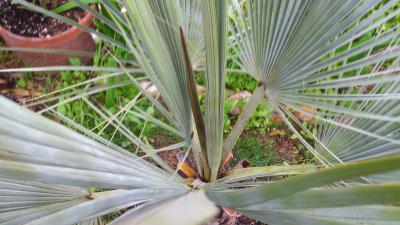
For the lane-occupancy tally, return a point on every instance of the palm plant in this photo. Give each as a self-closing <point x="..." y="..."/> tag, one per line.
<point x="302" y="53"/>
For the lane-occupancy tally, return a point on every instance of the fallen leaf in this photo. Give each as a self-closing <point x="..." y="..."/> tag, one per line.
<point x="303" y="116"/>
<point x="242" y="95"/>
<point x="35" y="93"/>
<point x="275" y="133"/>
<point x="17" y="92"/>
<point x="188" y="170"/>
<point x="275" y="117"/>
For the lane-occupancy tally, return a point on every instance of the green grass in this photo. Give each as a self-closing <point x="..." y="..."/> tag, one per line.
<point x="114" y="100"/>
<point x="256" y="151"/>
<point x="240" y="82"/>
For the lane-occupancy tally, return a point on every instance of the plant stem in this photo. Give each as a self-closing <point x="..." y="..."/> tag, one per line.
<point x="241" y="123"/>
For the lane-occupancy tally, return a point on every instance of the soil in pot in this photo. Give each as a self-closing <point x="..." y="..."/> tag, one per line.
<point x="22" y="28"/>
<point x="23" y="22"/>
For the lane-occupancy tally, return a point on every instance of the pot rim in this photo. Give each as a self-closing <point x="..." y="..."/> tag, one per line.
<point x="86" y="21"/>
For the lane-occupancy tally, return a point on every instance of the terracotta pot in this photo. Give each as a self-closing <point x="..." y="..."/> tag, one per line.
<point x="71" y="39"/>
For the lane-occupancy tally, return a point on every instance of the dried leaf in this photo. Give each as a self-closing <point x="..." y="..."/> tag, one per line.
<point x="275" y="117"/>
<point x="305" y="116"/>
<point x="243" y="95"/>
<point x="228" y="159"/>
<point x="188" y="170"/>
<point x="230" y="212"/>
<point x="275" y="133"/>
